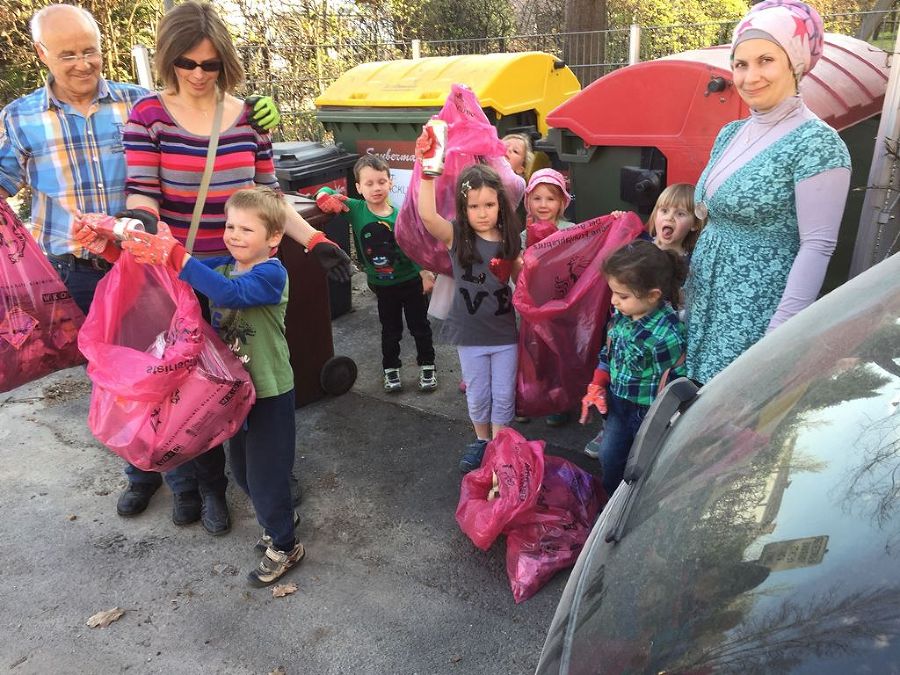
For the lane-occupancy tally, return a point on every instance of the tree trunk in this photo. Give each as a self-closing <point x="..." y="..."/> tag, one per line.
<point x="585" y="52"/>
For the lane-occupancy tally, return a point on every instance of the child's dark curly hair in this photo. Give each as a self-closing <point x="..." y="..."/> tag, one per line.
<point x="642" y="267"/>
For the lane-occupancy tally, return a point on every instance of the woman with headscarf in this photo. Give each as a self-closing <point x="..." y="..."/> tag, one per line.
<point x="773" y="192"/>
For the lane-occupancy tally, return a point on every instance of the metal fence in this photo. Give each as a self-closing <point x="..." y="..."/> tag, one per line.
<point x="296" y="73"/>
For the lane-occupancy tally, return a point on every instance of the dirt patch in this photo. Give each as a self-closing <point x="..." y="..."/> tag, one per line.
<point x="66" y="390"/>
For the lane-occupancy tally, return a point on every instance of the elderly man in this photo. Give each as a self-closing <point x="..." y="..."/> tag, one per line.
<point x="64" y="141"/>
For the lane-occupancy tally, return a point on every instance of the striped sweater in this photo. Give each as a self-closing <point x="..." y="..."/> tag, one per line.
<point x="165" y="163"/>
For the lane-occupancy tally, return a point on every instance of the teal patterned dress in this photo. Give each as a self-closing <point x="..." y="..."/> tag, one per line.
<point x="740" y="266"/>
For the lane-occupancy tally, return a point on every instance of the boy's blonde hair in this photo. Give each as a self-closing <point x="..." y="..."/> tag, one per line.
<point x="265" y="202"/>
<point x="678" y="194"/>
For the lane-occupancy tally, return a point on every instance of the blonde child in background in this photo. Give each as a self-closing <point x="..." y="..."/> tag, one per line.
<point x="672" y="223"/>
<point x="519" y="153"/>
<point x="484" y="248"/>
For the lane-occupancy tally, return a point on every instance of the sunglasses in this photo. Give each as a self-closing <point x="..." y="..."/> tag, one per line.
<point x="207" y="66"/>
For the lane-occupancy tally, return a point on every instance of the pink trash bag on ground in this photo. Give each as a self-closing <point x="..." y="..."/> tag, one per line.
<point x="504" y="487"/>
<point x="166" y="388"/>
<point x="470" y="139"/>
<point x="39" y="320"/>
<point x="549" y="538"/>
<point x="563" y="301"/>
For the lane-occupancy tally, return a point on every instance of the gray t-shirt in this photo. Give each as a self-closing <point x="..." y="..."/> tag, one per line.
<point x="481" y="313"/>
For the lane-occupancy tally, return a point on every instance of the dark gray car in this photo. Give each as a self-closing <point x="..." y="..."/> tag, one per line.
<point x="759" y="531"/>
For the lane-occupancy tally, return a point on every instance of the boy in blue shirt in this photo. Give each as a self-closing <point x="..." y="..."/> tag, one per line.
<point x="248" y="294"/>
<point x="400" y="286"/>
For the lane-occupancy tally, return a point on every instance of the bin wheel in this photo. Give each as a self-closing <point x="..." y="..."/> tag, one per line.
<point x="338" y="375"/>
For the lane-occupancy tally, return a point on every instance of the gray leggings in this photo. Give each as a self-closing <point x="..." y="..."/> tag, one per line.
<point x="490" y="377"/>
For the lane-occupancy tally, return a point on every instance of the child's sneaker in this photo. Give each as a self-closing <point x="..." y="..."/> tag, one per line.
<point x="274" y="564"/>
<point x="265" y="541"/>
<point x="427" y="378"/>
<point x="592" y="449"/>
<point x="474" y="454"/>
<point x="392" y="379"/>
<point x="557" y="419"/>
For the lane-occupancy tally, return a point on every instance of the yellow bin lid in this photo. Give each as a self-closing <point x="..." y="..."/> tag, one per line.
<point x="508" y="83"/>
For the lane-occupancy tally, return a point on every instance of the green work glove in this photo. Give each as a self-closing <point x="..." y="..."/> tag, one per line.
<point x="264" y="116"/>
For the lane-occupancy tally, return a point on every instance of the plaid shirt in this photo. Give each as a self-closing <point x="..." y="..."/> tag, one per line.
<point x="642" y="351"/>
<point x="70" y="161"/>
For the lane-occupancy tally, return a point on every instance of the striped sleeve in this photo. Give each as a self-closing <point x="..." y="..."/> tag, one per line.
<point x="142" y="153"/>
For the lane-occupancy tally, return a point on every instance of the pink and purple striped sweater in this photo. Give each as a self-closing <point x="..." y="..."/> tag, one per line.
<point x="165" y="163"/>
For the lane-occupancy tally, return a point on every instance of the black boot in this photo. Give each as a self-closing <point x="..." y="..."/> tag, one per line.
<point x="186" y="507"/>
<point x="135" y="498"/>
<point x="214" y="514"/>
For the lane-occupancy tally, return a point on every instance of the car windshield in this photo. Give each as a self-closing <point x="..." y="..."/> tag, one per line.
<point x="765" y="536"/>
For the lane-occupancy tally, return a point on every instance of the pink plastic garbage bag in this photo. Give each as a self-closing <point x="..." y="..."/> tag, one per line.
<point x="505" y="487"/>
<point x="470" y="138"/>
<point x="549" y="538"/>
<point x="166" y="388"/>
<point x="39" y="320"/>
<point x="563" y="301"/>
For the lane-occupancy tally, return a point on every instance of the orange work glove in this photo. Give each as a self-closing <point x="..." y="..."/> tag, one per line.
<point x="595" y="395"/>
<point x="156" y="249"/>
<point x="329" y="203"/>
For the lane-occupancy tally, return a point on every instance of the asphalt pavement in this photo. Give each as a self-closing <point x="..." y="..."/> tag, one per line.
<point x="389" y="583"/>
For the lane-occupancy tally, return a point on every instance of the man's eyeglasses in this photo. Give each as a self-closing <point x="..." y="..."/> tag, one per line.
<point x="90" y="56"/>
<point x="206" y="66"/>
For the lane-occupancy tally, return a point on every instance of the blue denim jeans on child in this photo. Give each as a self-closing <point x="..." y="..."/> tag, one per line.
<point x="622" y="424"/>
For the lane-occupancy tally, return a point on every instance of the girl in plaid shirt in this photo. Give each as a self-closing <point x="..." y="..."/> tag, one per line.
<point x="645" y="341"/>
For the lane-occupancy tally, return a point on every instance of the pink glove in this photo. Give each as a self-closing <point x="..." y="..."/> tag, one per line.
<point x="501" y="269"/>
<point x="595" y="396"/>
<point x="156" y="249"/>
<point x="329" y="203"/>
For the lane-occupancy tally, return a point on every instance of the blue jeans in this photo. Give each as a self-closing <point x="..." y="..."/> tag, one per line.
<point x="622" y="424"/>
<point x="205" y="473"/>
<point x="262" y="458"/>
<point x="79" y="277"/>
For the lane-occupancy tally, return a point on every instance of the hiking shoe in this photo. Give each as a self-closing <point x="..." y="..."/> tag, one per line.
<point x="274" y="564"/>
<point x="265" y="541"/>
<point x="474" y="454"/>
<point x="186" y="507"/>
<point x="557" y="419"/>
<point x="214" y="514"/>
<point x="135" y="498"/>
<point x="392" y="379"/>
<point x="427" y="378"/>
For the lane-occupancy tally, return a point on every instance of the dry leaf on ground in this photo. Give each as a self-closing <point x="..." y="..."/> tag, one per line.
<point x="283" y="589"/>
<point x="106" y="617"/>
<point x="278" y="671"/>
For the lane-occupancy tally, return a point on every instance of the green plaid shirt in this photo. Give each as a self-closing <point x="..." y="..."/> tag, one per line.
<point x="642" y="351"/>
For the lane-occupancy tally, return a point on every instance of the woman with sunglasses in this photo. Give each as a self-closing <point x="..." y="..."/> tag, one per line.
<point x="166" y="143"/>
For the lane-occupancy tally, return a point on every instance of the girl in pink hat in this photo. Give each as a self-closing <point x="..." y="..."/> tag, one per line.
<point x="546" y="200"/>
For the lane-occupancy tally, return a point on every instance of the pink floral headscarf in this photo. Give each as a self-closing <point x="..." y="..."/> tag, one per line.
<point x="793" y="25"/>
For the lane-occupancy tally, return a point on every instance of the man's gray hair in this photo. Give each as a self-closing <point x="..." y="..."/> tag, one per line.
<point x="41" y="14"/>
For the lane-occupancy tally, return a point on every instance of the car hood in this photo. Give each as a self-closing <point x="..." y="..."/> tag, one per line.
<point x="764" y="533"/>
